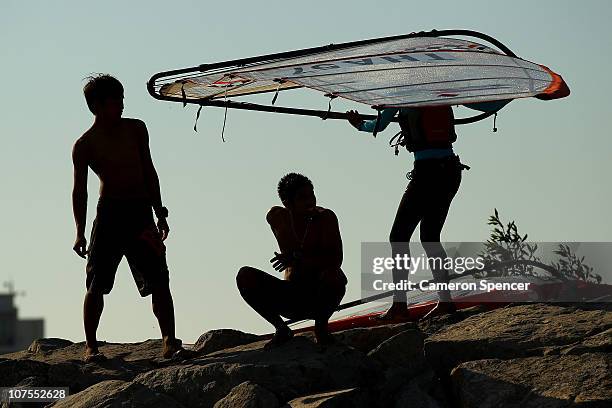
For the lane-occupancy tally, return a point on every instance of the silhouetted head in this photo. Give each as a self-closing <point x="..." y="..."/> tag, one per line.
<point x="297" y="193"/>
<point x="104" y="96"/>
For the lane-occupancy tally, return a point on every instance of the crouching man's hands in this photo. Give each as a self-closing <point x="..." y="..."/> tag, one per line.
<point x="280" y="262"/>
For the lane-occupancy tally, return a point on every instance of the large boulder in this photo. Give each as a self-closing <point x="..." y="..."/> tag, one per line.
<point x="191" y="385"/>
<point x="598" y="343"/>
<point x="248" y="395"/>
<point x="431" y="325"/>
<point x="403" y="359"/>
<point x="49" y="344"/>
<point x="346" y="398"/>
<point x="59" y="362"/>
<point x="535" y="382"/>
<point x="116" y="393"/>
<point x="405" y="349"/>
<point x="413" y="396"/>
<point x="296" y="368"/>
<point x="215" y="340"/>
<point x="365" y="339"/>
<point x="519" y="331"/>
<point x="28" y="382"/>
<point x="58" y="350"/>
<point x="79" y="376"/>
<point x="13" y="371"/>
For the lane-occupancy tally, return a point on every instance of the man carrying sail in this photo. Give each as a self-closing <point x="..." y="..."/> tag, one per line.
<point x="428" y="133"/>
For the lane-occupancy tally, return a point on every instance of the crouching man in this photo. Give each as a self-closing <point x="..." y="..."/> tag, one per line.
<point x="310" y="256"/>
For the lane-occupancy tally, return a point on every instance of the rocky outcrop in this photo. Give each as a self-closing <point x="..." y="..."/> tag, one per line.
<point x="523" y="356"/>
<point x="367" y="338"/>
<point x="347" y="398"/>
<point x="220" y="339"/>
<point x="295" y="369"/>
<point x="519" y="331"/>
<point x="248" y="395"/>
<point x="404" y="349"/>
<point x="116" y="393"/>
<point x="43" y="345"/>
<point x="12" y="372"/>
<point x="551" y="381"/>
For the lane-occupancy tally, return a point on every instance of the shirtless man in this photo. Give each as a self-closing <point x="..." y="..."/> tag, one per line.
<point x="310" y="256"/>
<point x="117" y="150"/>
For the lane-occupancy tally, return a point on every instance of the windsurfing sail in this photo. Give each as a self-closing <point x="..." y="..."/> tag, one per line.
<point x="413" y="70"/>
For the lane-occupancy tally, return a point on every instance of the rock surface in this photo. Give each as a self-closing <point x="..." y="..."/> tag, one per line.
<point x="534" y="355"/>
<point x="404" y="349"/>
<point x="294" y="369"/>
<point x="43" y="345"/>
<point x="116" y="393"/>
<point x="248" y="395"/>
<point x="519" y="331"/>
<point x="551" y="381"/>
<point x="367" y="338"/>
<point x="220" y="339"/>
<point x="348" y="398"/>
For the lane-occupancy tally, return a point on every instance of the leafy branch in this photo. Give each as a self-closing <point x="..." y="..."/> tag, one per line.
<point x="507" y="254"/>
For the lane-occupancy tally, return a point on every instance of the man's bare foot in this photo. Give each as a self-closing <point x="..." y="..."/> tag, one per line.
<point x="184" y="354"/>
<point x="171" y="346"/>
<point x="280" y="337"/>
<point x="440" y="309"/>
<point x="397" y="312"/>
<point x="93" y="355"/>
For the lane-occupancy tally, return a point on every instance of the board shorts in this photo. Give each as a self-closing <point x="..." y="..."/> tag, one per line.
<point x="290" y="299"/>
<point x="125" y="227"/>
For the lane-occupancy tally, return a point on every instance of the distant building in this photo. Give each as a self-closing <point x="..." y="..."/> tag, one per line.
<point x="16" y="334"/>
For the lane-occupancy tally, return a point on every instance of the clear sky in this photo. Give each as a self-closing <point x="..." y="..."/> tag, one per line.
<point x="547" y="167"/>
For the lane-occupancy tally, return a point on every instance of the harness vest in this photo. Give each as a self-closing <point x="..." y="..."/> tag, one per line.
<point x="427" y="128"/>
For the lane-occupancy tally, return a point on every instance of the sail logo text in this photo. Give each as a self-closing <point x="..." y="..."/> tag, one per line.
<point x="317" y="69"/>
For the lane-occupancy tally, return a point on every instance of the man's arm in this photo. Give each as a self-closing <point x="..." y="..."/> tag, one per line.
<point x="280" y="223"/>
<point x="79" y="195"/>
<point x="386" y="115"/>
<point x="331" y="256"/>
<point x="151" y="179"/>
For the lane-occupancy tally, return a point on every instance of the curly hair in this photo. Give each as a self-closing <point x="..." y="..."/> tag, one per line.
<point x="289" y="184"/>
<point x="99" y="87"/>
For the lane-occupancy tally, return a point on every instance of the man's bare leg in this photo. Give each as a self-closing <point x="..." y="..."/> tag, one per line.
<point x="399" y="309"/>
<point x="322" y="333"/>
<point x="409" y="213"/>
<point x="92" y="310"/>
<point x="434" y="249"/>
<point x="163" y="309"/>
<point x="330" y="294"/>
<point x="254" y="291"/>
